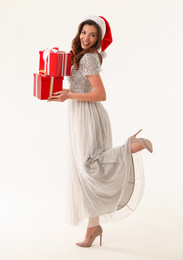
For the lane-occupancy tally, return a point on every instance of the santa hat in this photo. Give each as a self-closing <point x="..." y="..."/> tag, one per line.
<point x="105" y="29"/>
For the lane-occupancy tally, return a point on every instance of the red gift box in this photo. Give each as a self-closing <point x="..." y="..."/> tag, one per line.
<point x="45" y="86"/>
<point x="56" y="63"/>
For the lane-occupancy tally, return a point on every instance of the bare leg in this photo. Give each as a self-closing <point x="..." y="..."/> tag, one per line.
<point x="92" y="225"/>
<point x="136" y="147"/>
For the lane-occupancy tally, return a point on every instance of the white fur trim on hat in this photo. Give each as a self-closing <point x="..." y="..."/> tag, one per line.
<point x="99" y="21"/>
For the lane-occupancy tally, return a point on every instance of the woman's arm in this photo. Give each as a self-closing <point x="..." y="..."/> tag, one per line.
<point x="98" y="93"/>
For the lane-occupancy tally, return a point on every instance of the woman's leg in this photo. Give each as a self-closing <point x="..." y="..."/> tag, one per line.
<point x="92" y="225"/>
<point x="136" y="147"/>
<point x="93" y="222"/>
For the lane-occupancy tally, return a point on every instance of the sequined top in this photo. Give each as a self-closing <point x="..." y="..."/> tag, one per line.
<point x="89" y="65"/>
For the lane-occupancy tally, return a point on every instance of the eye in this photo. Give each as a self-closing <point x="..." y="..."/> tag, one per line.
<point x="83" y="32"/>
<point x="93" y="35"/>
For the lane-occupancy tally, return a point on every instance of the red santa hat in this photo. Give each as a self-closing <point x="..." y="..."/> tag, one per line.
<point x="105" y="29"/>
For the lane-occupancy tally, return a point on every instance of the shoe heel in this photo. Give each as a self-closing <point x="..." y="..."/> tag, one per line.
<point x="137" y="133"/>
<point x="100" y="239"/>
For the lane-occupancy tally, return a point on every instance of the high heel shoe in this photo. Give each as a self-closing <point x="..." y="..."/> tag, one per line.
<point x="144" y="142"/>
<point x="98" y="232"/>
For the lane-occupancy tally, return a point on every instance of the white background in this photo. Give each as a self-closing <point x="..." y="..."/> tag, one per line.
<point x="143" y="79"/>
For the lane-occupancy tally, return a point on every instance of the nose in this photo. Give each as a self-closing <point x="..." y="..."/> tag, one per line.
<point x="86" y="37"/>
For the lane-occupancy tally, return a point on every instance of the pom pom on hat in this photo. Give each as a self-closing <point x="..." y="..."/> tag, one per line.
<point x="106" y="32"/>
<point x="103" y="54"/>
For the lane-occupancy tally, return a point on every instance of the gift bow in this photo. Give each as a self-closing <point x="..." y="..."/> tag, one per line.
<point x="46" y="54"/>
<point x="47" y="51"/>
<point x="46" y="58"/>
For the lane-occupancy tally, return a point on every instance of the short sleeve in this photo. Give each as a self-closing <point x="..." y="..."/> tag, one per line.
<point x="90" y="64"/>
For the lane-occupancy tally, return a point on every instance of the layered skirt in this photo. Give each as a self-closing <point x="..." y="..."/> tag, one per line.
<point x="102" y="181"/>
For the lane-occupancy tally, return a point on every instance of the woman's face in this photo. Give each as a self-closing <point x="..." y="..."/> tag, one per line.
<point x="88" y="36"/>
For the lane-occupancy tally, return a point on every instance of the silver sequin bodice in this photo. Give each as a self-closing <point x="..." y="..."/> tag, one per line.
<point x="89" y="65"/>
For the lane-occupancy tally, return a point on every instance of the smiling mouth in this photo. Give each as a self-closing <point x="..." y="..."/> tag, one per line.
<point x="86" y="43"/>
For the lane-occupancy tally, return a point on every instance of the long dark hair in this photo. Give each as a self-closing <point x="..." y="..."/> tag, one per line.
<point x="76" y="49"/>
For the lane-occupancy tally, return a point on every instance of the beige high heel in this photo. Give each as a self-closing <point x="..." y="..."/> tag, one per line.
<point x="144" y="142"/>
<point x="98" y="232"/>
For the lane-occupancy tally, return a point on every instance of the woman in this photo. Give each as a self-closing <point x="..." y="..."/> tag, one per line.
<point x="103" y="182"/>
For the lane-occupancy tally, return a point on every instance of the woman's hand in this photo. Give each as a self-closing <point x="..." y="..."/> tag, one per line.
<point x="60" y="96"/>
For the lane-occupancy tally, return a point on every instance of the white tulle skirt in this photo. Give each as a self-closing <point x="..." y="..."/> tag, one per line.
<point x="102" y="181"/>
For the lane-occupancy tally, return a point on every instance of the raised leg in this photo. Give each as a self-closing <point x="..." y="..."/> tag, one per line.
<point x="136" y="147"/>
<point x="138" y="144"/>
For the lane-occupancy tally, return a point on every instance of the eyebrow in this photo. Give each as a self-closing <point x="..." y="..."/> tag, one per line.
<point x="91" y="32"/>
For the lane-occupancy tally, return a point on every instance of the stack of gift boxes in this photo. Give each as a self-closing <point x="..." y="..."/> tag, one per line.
<point x="53" y="66"/>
